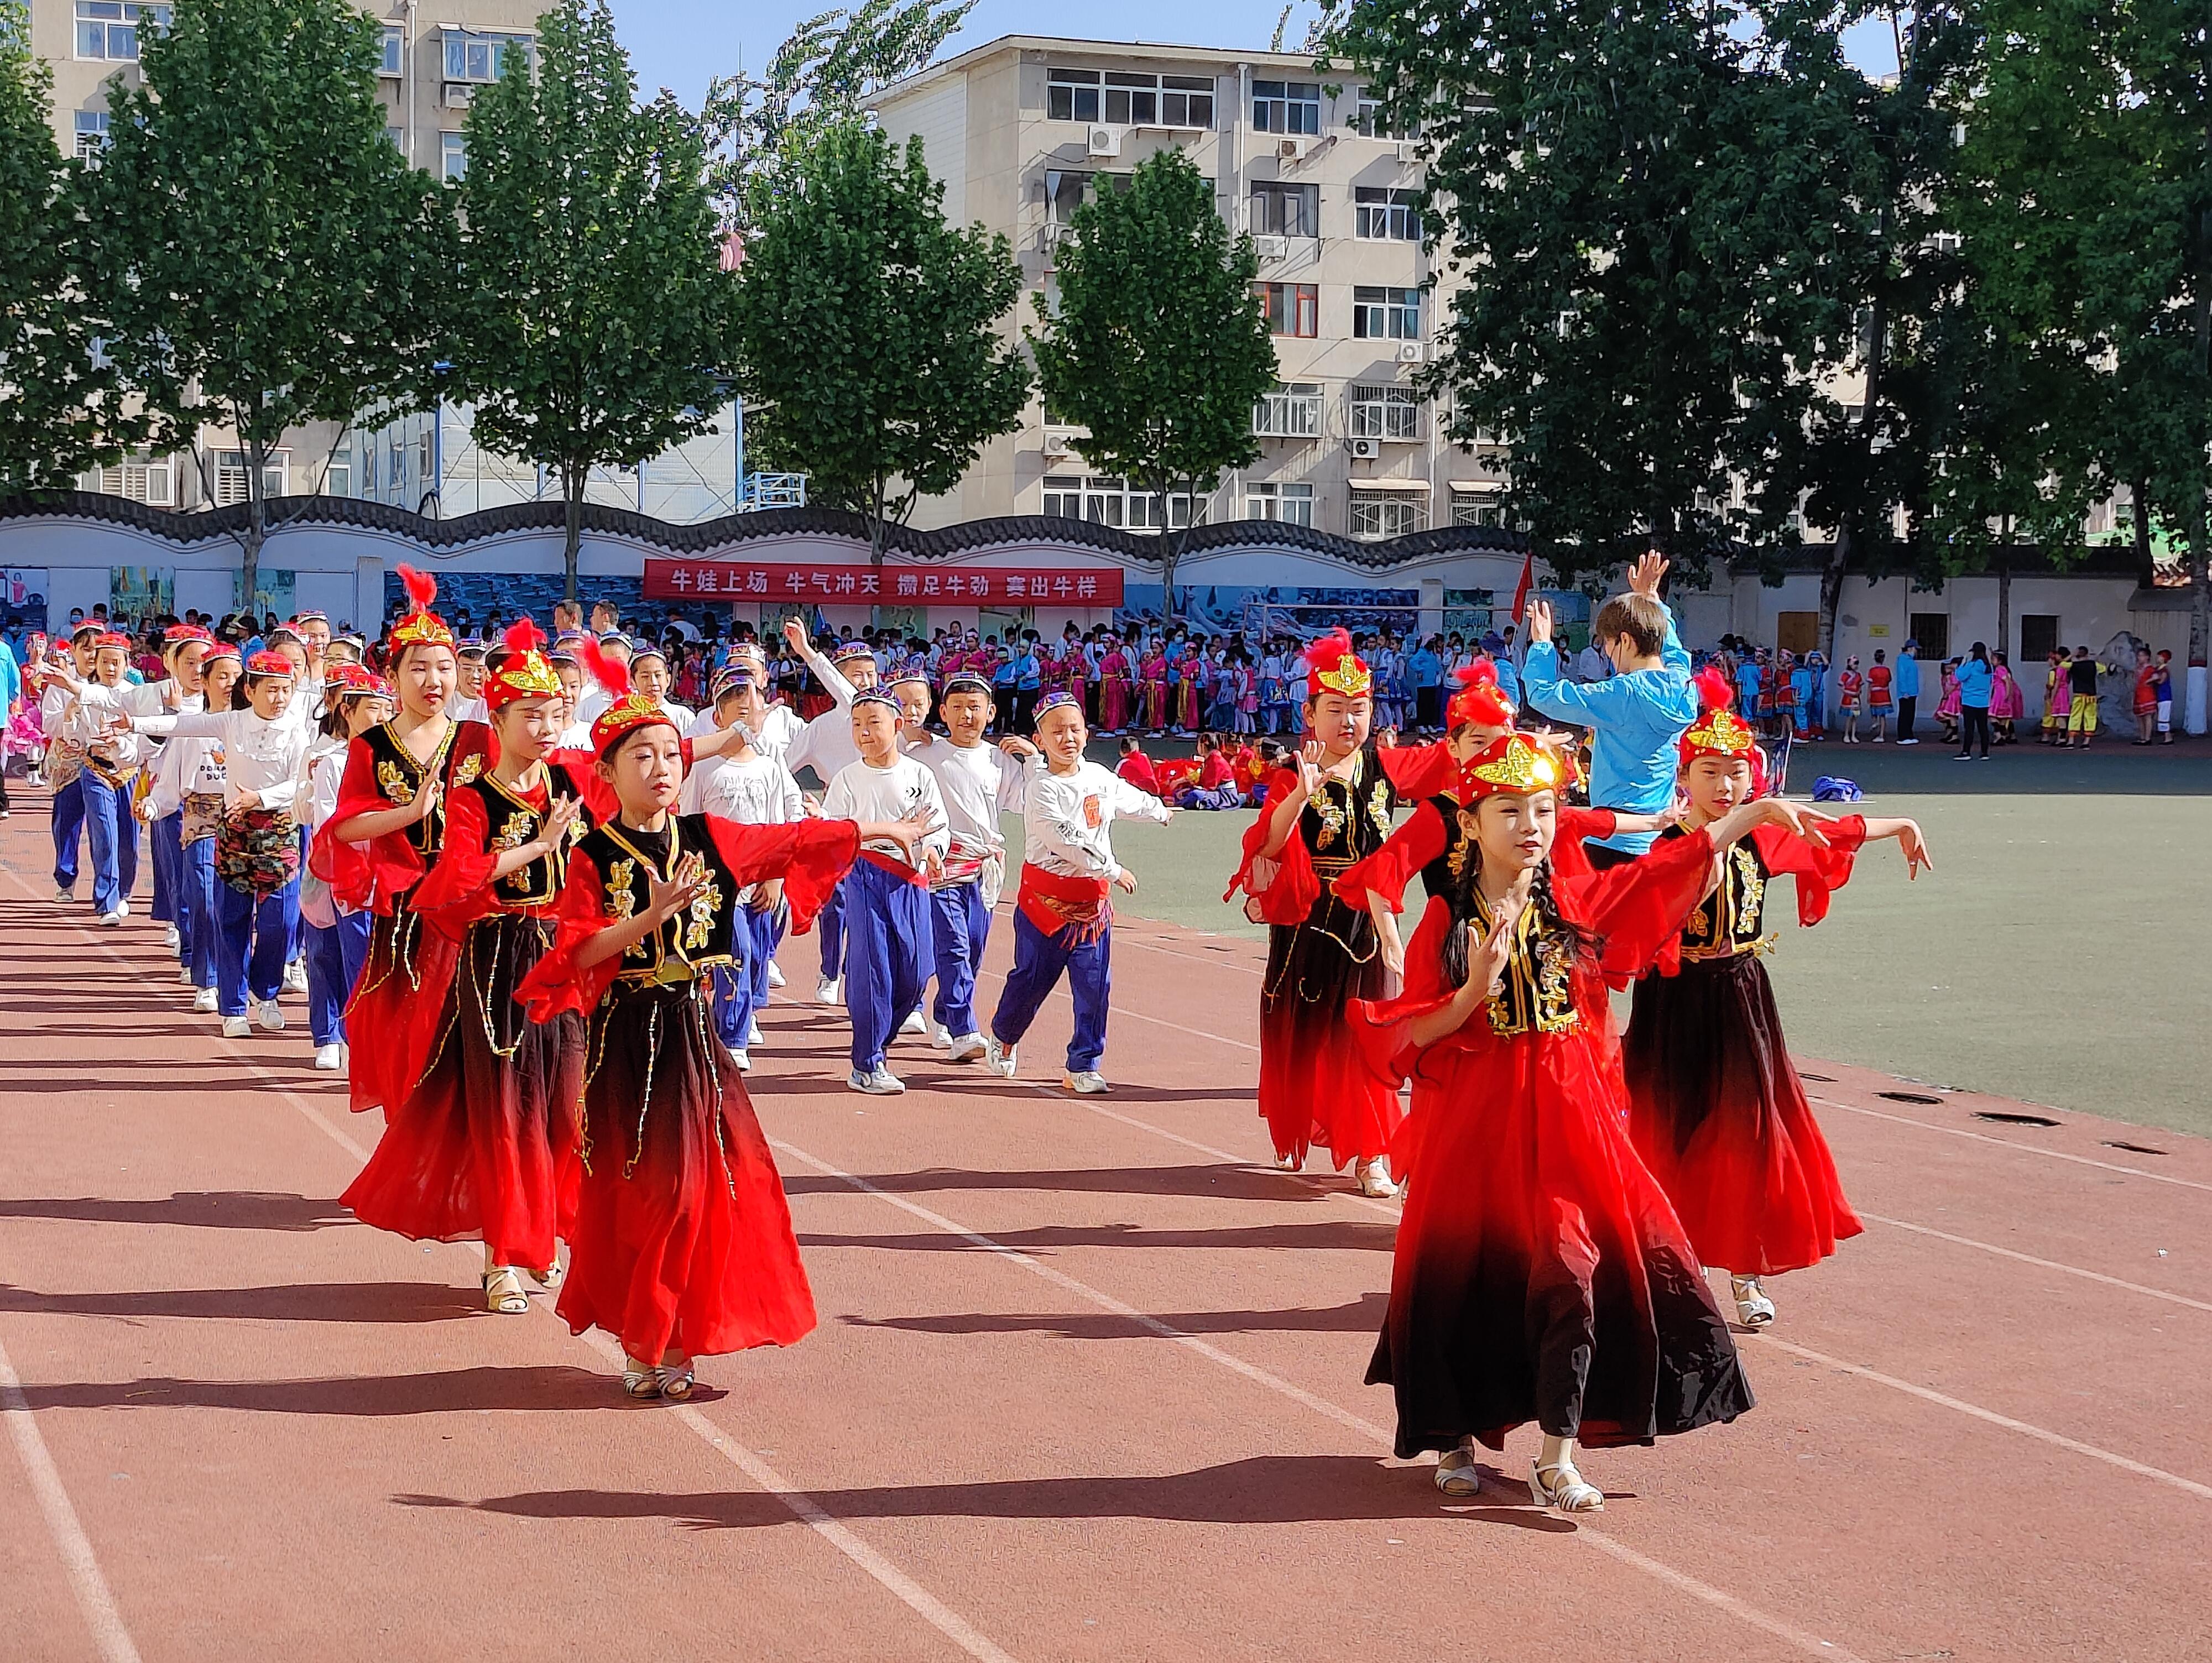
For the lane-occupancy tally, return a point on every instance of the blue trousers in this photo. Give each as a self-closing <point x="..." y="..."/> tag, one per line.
<point x="68" y="821"/>
<point x="165" y="839"/>
<point x="111" y="836"/>
<point x="960" y="926"/>
<point x="251" y="942"/>
<point x="199" y="919"/>
<point x="1039" y="960"/>
<point x="887" y="955"/>
<point x="768" y="936"/>
<point x="829" y="925"/>
<point x="297" y="948"/>
<point x="334" y="958"/>
<point x="741" y="989"/>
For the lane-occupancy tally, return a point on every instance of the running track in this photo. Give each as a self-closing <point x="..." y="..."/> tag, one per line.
<point x="1087" y="1383"/>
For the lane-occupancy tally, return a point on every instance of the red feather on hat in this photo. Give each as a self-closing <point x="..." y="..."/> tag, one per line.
<point x="1714" y="692"/>
<point x="422" y="587"/>
<point x="611" y="674"/>
<point x="1326" y="652"/>
<point x="523" y="635"/>
<point x="1477" y="699"/>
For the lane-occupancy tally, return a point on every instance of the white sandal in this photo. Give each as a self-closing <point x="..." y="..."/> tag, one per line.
<point x="640" y="1379"/>
<point x="1457" y="1474"/>
<point x="674" y="1380"/>
<point x="1375" y="1180"/>
<point x="1753" y="1307"/>
<point x="550" y="1277"/>
<point x="503" y="1291"/>
<point x="1568" y="1492"/>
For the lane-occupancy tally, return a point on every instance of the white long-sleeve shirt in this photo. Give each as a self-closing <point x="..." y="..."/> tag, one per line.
<point x="321" y="768"/>
<point x="259" y="757"/>
<point x="977" y="782"/>
<point x="863" y="792"/>
<point x="826" y="742"/>
<point x="186" y="768"/>
<point x="90" y="712"/>
<point x="756" y="792"/>
<point x="1067" y="819"/>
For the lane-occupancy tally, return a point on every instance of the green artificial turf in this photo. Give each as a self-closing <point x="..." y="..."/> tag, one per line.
<point x="2057" y="953"/>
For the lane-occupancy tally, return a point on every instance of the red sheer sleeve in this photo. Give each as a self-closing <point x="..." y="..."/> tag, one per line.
<point x="1385" y="873"/>
<point x="363" y="875"/>
<point x="599" y="799"/>
<point x="810" y="856"/>
<point x="1381" y="1027"/>
<point x="1819" y="872"/>
<point x="1290" y="898"/>
<point x="458" y="891"/>
<point x="1569" y="858"/>
<point x="1416" y="770"/>
<point x="1639" y="908"/>
<point x="557" y="983"/>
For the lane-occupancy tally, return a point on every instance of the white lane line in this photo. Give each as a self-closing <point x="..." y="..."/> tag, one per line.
<point x="803" y="1506"/>
<point x="93" y="1598"/>
<point x="2041" y="1264"/>
<point x="2007" y="1143"/>
<point x="2158" y="1473"/>
<point x="1719" y="1599"/>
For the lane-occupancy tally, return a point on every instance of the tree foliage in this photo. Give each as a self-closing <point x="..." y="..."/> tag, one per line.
<point x="871" y="356"/>
<point x="593" y="315"/>
<point x="824" y="73"/>
<point x="58" y="411"/>
<point x="261" y="254"/>
<point x="1158" y="346"/>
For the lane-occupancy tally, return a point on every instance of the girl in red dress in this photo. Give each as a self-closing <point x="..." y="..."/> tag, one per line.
<point x="389" y="825"/>
<point x="1320" y="819"/>
<point x="485" y="1149"/>
<point x="682" y="1244"/>
<point x="1540" y="1273"/>
<point x="1716" y="1109"/>
<point x="1113" y="684"/>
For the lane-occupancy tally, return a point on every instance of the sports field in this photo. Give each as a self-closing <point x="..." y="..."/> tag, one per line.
<point x="2057" y="953"/>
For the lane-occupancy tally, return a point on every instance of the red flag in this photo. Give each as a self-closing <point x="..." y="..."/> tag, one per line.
<point x="1528" y="582"/>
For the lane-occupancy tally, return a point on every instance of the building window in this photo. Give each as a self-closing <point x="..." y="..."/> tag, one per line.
<point x="453" y="155"/>
<point x="1063" y="194"/>
<point x="399" y="137"/>
<point x="367" y="467"/>
<point x="1382" y="215"/>
<point x="1372" y="123"/>
<point x="108" y="30"/>
<point x="338" y="478"/>
<point x="1377" y="514"/>
<point x="1291" y="411"/>
<point x="1291" y="504"/>
<point x="1151" y="100"/>
<point x="1286" y="210"/>
<point x="91" y="134"/>
<point x="1933" y="631"/>
<point x="1385" y="413"/>
<point x="1113" y="502"/>
<point x="1071" y="94"/>
<point x="397" y="476"/>
<point x="395" y="43"/>
<point x="231" y="474"/>
<point x="1286" y="106"/>
<point x="1476" y="508"/>
<point x="481" y="56"/>
<point x="1291" y="308"/>
<point x="154" y="483"/>
<point x="2039" y="638"/>
<point x="1386" y="315"/>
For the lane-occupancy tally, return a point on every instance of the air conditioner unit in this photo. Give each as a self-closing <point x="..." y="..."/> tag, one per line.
<point x="1292" y="149"/>
<point x="1409" y="352"/>
<point x="459" y="94"/>
<point x="1103" y="142"/>
<point x="1271" y="247"/>
<point x="1055" y="444"/>
<point x="1363" y="450"/>
<point x="1407" y="151"/>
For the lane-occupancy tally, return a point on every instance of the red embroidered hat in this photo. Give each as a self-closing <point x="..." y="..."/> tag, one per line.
<point x="1477" y="700"/>
<point x="108" y="638"/>
<point x="265" y="663"/>
<point x="1332" y="667"/>
<point x="525" y="672"/>
<point x="1719" y="732"/>
<point x="421" y="627"/>
<point x="1514" y="764"/>
<point x="629" y="711"/>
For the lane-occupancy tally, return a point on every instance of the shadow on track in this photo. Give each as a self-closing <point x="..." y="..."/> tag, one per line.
<point x="449" y="1392"/>
<point x="305" y="1302"/>
<point x="1350" y="1234"/>
<point x="1274" y="1489"/>
<point x="1362" y="1315"/>
<point x="215" y="1209"/>
<point x="1217" y="1182"/>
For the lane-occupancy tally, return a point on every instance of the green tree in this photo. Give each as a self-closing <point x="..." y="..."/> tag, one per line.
<point x="871" y="353"/>
<point x="823" y="74"/>
<point x="594" y="314"/>
<point x="262" y="255"/>
<point x="1158" y="346"/>
<point x="58" y="398"/>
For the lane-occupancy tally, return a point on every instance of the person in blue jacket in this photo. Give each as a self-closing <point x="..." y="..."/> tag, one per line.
<point x="1908" y="691"/>
<point x="1974" y="676"/>
<point x="1635" y="715"/>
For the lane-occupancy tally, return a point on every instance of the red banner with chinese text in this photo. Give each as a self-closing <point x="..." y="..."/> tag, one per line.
<point x="865" y="586"/>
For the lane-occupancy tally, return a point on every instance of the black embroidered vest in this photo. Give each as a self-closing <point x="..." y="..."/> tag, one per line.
<point x="697" y="938"/>
<point x="461" y="757"/>
<point x="1732" y="919"/>
<point x="512" y="822"/>
<point x="1347" y="819"/>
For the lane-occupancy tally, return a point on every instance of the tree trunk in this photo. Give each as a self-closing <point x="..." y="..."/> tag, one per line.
<point x="2140" y="493"/>
<point x="1171" y="543"/>
<point x="256" y="527"/>
<point x="1841" y="551"/>
<point x="876" y="540"/>
<point x="572" y="523"/>
<point x="2005" y="592"/>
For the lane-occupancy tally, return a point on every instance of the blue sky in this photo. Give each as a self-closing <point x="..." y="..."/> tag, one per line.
<point x="681" y="44"/>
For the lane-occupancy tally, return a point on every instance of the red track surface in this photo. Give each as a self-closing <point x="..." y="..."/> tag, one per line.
<point x="1087" y="1384"/>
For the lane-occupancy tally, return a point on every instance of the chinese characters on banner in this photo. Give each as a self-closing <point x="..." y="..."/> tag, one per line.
<point x="864" y="585"/>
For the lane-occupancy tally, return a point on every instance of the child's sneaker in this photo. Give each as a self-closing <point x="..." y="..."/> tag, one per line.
<point x="1086" y="1083"/>
<point x="877" y="1081"/>
<point x="965" y="1048"/>
<point x="998" y="1059"/>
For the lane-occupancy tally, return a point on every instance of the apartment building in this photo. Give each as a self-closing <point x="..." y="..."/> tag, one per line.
<point x="432" y="64"/>
<point x="1023" y="128"/>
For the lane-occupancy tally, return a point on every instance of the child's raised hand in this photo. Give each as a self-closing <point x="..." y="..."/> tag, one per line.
<point x="1808" y="822"/>
<point x="1126" y="881"/>
<point x="555" y="829"/>
<point x="1540" y="622"/>
<point x="425" y="800"/>
<point x="1644" y="575"/>
<point x="1916" y="849"/>
<point x="665" y="899"/>
<point x="1486" y="952"/>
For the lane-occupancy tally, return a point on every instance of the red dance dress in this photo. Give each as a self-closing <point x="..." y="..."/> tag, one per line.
<point x="1315" y="1091"/>
<point x="378" y="878"/>
<point x="1539" y="1272"/>
<point x="486" y="1147"/>
<point x="1716" y="1108"/>
<point x="682" y="1239"/>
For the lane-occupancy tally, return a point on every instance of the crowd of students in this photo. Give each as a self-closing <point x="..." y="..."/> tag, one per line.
<point x="536" y="899"/>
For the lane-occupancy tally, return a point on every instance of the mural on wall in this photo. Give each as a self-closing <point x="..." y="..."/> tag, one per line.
<point x="23" y="598"/>
<point x="479" y="594"/>
<point x="141" y="592"/>
<point x="273" y="592"/>
<point x="1296" y="609"/>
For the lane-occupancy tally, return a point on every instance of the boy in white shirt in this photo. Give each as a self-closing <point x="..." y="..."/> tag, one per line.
<point x="96" y="722"/>
<point x="1063" y="920"/>
<point x="886" y="906"/>
<point x="825" y="744"/>
<point x="649" y="674"/>
<point x="976" y="779"/>
<point x="470" y="660"/>
<point x="64" y="761"/>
